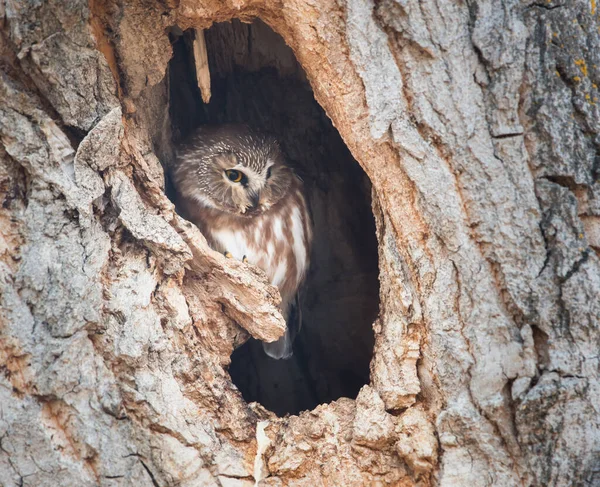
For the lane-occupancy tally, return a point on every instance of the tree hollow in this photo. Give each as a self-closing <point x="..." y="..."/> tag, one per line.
<point x="255" y="79"/>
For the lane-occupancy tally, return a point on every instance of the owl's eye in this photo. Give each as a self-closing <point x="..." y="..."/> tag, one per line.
<point x="235" y="176"/>
<point x="269" y="172"/>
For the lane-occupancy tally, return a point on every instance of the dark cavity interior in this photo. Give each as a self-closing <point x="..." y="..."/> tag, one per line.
<point x="256" y="79"/>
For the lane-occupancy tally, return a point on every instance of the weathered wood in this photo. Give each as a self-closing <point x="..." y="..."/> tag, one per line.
<point x="478" y="126"/>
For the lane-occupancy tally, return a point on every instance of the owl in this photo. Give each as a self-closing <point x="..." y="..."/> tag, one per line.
<point x="233" y="183"/>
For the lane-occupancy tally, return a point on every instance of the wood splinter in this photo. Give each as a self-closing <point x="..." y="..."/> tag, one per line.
<point x="201" y="61"/>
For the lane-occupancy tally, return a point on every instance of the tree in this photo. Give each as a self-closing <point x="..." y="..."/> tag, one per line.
<point x="478" y="125"/>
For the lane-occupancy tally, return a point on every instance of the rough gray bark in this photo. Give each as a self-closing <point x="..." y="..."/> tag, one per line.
<point x="478" y="126"/>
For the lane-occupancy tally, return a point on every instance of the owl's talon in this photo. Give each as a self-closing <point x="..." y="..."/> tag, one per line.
<point x="228" y="255"/>
<point x="245" y="259"/>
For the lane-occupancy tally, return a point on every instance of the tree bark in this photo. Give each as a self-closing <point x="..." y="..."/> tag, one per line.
<point x="478" y="125"/>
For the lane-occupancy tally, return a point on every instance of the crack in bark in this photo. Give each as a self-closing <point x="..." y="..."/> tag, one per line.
<point x="507" y="135"/>
<point x="576" y="266"/>
<point x="543" y="6"/>
<point x="151" y="475"/>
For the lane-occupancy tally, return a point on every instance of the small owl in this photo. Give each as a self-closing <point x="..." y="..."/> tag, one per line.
<point x="232" y="182"/>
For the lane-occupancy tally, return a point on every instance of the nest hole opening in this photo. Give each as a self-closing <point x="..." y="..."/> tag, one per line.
<point x="256" y="79"/>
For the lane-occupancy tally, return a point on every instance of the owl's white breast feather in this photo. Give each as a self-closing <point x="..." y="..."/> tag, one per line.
<point x="279" y="275"/>
<point x="278" y="228"/>
<point x="299" y="246"/>
<point x="234" y="241"/>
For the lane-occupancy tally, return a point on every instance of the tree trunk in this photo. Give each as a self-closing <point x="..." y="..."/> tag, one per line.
<point x="478" y="126"/>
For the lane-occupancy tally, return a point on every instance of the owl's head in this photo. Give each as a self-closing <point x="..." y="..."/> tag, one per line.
<point x="232" y="168"/>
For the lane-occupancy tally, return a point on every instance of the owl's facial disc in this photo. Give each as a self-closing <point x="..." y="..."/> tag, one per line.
<point x="277" y="178"/>
<point x="253" y="191"/>
<point x="245" y="187"/>
<point x="236" y="183"/>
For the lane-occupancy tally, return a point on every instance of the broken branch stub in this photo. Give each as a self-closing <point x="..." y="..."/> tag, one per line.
<point x="201" y="62"/>
<point x="242" y="289"/>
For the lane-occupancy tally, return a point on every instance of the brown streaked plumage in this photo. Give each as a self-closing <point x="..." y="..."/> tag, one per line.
<point x="232" y="182"/>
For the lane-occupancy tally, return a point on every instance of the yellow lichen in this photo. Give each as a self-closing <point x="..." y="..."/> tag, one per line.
<point x="582" y="66"/>
<point x="593" y="2"/>
<point x="576" y="79"/>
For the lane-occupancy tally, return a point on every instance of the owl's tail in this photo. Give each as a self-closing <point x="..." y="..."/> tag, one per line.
<point x="282" y="348"/>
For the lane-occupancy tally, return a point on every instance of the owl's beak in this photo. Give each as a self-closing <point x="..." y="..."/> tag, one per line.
<point x="254" y="199"/>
